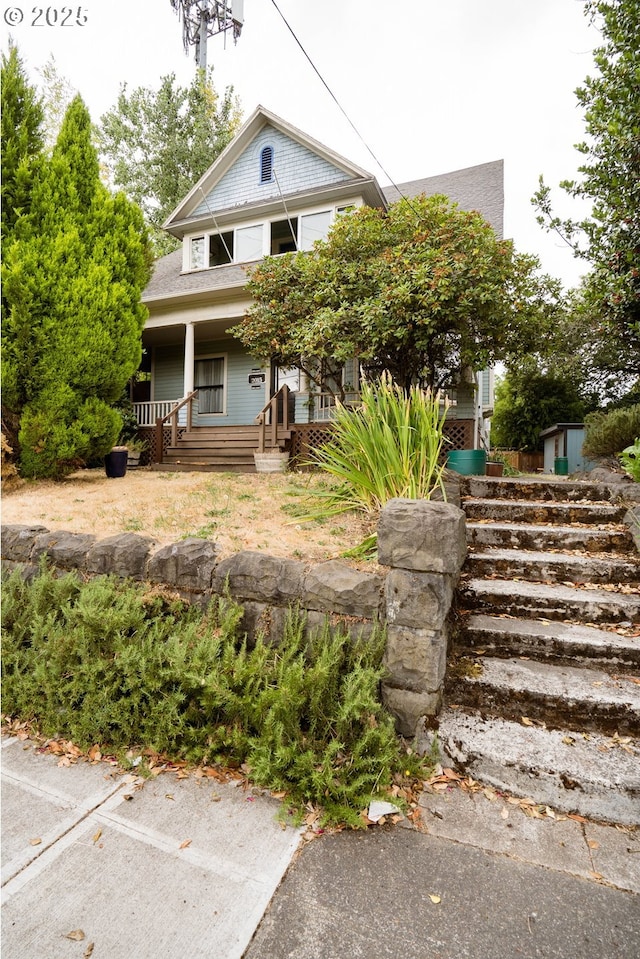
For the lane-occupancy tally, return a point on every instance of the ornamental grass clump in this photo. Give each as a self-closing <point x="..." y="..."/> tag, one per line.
<point x="122" y="665"/>
<point x="388" y="447"/>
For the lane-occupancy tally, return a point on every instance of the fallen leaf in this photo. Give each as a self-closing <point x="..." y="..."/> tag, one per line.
<point x="94" y="754"/>
<point x="435" y="899"/>
<point x="168" y="796"/>
<point x="568" y="741"/>
<point x="35" y="842"/>
<point x="593" y="844"/>
<point x="97" y="835"/>
<point x="76" y="934"/>
<point x="504" y="812"/>
<point x="128" y="797"/>
<point x="88" y="951"/>
<point x="526" y="721"/>
<point x="183" y="845"/>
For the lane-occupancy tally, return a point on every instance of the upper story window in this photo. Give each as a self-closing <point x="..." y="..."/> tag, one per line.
<point x="197" y="253"/>
<point x="314" y="226"/>
<point x="266" y="165"/>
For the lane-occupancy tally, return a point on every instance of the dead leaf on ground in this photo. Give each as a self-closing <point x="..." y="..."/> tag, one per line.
<point x="187" y="842"/>
<point x="88" y="951"/>
<point x="76" y="934"/>
<point x="97" y="835"/>
<point x="434" y="898"/>
<point x="35" y="842"/>
<point x="593" y="844"/>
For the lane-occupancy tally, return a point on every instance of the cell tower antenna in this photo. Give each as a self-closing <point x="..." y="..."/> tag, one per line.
<point x="202" y="19"/>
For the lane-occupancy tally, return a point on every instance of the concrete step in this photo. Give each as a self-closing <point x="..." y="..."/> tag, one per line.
<point x="572" y="697"/>
<point x="545" y="513"/>
<point x="546" y="641"/>
<point x="545" y="601"/>
<point x="593" y="776"/>
<point x="542" y="567"/>
<point x="530" y="488"/>
<point x="590" y="539"/>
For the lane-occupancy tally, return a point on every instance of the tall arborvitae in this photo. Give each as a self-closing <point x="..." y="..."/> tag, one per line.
<point x="72" y="279"/>
<point x="22" y="139"/>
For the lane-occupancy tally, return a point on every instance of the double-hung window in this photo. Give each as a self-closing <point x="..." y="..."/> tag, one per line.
<point x="209" y="381"/>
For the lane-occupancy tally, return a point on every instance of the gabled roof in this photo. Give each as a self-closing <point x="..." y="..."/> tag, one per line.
<point x="186" y="213"/>
<point x="478" y="188"/>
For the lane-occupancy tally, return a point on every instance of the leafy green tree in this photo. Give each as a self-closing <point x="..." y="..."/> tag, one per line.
<point x="528" y="400"/>
<point x="609" y="239"/>
<point x="57" y="95"/>
<point x="22" y="139"/>
<point x="420" y="291"/>
<point x="158" y="143"/>
<point x="73" y="272"/>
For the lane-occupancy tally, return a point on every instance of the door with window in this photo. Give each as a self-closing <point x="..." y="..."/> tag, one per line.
<point x="209" y="381"/>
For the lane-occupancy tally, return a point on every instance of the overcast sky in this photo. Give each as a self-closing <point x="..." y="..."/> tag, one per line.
<point x="431" y="85"/>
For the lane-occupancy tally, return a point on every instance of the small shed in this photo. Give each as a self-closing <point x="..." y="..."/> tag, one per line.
<point x="564" y="441"/>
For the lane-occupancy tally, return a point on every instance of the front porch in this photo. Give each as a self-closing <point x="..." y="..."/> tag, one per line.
<point x="175" y="443"/>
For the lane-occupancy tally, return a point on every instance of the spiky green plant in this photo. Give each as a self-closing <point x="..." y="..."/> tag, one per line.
<point x="389" y="447"/>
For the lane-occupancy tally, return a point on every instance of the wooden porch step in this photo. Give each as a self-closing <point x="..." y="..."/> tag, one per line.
<point x="204" y="467"/>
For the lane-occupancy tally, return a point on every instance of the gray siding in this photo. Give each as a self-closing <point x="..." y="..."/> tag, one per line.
<point x="242" y="403"/>
<point x="168" y="372"/>
<point x="297" y="169"/>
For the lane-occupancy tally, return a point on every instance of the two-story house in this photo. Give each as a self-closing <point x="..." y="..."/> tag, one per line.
<point x="273" y="190"/>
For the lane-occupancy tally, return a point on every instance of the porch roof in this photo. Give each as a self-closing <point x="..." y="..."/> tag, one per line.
<point x="168" y="280"/>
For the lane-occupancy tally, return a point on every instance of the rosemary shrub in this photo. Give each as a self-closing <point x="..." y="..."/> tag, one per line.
<point x="121" y="665"/>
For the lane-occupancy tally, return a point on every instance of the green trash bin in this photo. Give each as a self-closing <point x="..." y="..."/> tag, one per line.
<point x="467" y="462"/>
<point x="561" y="466"/>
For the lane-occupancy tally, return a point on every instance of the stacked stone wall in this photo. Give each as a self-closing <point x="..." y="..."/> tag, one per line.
<point x="421" y="548"/>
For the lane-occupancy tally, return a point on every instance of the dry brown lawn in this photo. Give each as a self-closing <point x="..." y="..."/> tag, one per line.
<point x="237" y="511"/>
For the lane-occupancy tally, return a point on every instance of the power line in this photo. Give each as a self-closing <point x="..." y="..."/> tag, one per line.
<point x="339" y="105"/>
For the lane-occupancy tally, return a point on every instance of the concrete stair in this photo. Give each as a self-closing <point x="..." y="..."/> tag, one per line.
<point x="543" y="687"/>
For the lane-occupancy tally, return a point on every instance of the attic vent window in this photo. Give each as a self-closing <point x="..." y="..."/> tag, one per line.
<point x="266" y="165"/>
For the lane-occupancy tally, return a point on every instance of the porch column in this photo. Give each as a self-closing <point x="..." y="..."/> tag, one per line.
<point x="189" y="358"/>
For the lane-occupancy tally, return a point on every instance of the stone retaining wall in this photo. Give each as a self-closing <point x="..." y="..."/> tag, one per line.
<point x="421" y="545"/>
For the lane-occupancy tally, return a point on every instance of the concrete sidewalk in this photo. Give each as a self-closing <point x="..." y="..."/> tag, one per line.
<point x="171" y="868"/>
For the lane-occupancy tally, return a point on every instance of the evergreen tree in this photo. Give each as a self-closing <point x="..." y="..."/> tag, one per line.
<point x="73" y="276"/>
<point x="22" y="139"/>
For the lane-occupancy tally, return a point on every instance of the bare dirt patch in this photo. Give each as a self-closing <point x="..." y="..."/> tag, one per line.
<point x="237" y="511"/>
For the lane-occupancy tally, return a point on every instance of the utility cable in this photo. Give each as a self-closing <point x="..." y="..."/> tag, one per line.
<point x="340" y="107"/>
<point x="291" y="230"/>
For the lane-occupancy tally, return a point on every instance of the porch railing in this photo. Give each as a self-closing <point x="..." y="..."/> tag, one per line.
<point x="269" y="416"/>
<point x="147" y="413"/>
<point x="173" y="416"/>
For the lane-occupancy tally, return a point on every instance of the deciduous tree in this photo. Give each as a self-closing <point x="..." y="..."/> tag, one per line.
<point x="609" y="238"/>
<point x="158" y="143"/>
<point x="420" y="291"/>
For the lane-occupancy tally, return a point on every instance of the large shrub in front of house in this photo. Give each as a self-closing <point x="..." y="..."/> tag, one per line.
<point x="74" y="267"/>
